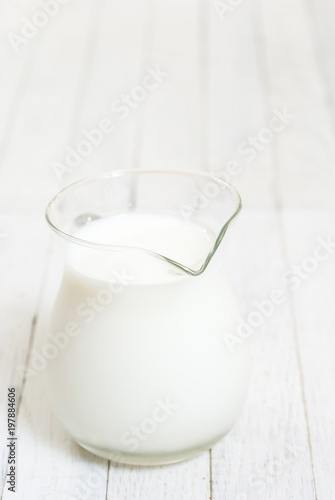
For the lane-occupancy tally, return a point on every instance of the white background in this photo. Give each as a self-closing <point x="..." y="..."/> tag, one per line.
<point x="229" y="66"/>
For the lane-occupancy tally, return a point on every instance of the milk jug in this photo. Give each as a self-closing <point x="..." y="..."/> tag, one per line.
<point x="144" y="373"/>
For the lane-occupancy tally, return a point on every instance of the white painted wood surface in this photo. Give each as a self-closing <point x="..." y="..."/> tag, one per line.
<point x="229" y="68"/>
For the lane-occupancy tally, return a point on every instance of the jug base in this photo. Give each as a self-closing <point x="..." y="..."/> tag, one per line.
<point x="149" y="459"/>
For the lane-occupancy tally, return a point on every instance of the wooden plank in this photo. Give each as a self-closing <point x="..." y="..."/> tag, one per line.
<point x="313" y="299"/>
<point x="306" y="148"/>
<point x="22" y="257"/>
<point x="305" y="159"/>
<point x="237" y="113"/>
<point x="16" y="65"/>
<point x="322" y="16"/>
<point x="235" y="93"/>
<point x="185" y="481"/>
<point x="117" y="69"/>
<point x="43" y="124"/>
<point x="172" y="120"/>
<point x="236" y="109"/>
<point x="50" y="465"/>
<point x="267" y="453"/>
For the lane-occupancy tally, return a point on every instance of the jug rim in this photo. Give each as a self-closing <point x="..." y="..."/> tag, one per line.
<point x="118" y="173"/>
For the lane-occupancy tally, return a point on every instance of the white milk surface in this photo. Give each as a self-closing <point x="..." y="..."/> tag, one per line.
<point x="143" y="367"/>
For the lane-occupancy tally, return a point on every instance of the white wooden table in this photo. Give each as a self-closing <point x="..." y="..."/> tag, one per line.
<point x="229" y="64"/>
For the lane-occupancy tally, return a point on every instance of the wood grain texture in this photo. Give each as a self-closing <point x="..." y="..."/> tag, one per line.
<point x="189" y="480"/>
<point x="42" y="124"/>
<point x="273" y="426"/>
<point x="55" y="467"/>
<point x="172" y="121"/>
<point x="313" y="299"/>
<point x="117" y="67"/>
<point x="226" y="75"/>
<point x="22" y="266"/>
<point x="293" y="79"/>
<point x="322" y="16"/>
<point x="16" y="62"/>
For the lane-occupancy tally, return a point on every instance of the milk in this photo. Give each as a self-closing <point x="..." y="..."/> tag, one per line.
<point x="146" y="374"/>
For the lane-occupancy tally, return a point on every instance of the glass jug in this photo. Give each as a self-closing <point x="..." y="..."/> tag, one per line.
<point x="143" y="374"/>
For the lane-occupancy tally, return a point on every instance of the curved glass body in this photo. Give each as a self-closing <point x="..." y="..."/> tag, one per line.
<point x="144" y="374"/>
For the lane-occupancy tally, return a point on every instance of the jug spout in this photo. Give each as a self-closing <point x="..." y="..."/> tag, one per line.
<point x="211" y="205"/>
<point x="215" y="212"/>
